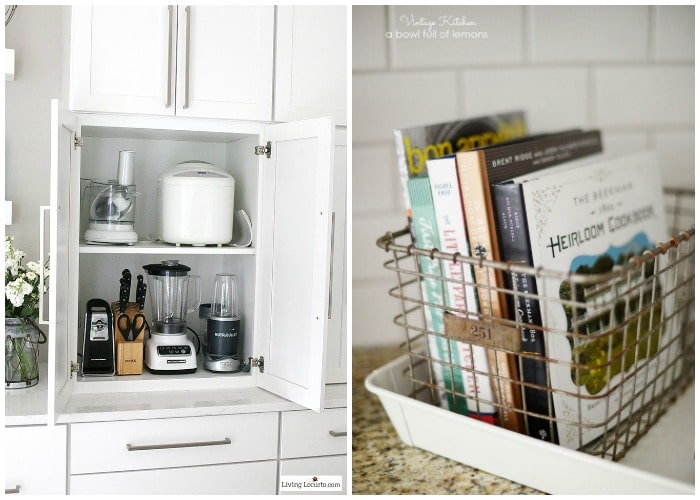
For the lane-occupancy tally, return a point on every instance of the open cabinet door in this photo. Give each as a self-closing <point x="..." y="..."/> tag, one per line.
<point x="295" y="259"/>
<point x="63" y="275"/>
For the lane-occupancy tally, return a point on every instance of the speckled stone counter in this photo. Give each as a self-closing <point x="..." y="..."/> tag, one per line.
<point x="383" y="464"/>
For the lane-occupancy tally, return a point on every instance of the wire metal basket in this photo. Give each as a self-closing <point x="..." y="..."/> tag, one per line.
<point x="631" y="332"/>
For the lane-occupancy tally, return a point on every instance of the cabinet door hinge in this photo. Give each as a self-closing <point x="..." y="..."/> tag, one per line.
<point x="264" y="150"/>
<point x="73" y="368"/>
<point x="259" y="362"/>
<point x="77" y="141"/>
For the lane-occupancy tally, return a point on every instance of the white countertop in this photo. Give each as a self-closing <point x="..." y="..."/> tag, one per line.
<point x="29" y="406"/>
<point x="100" y="407"/>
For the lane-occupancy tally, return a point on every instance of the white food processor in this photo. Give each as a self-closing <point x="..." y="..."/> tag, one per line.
<point x="113" y="205"/>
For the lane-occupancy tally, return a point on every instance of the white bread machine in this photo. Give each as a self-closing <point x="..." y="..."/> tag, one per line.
<point x="196" y="204"/>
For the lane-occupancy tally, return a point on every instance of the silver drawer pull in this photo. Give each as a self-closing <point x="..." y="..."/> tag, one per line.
<point x="130" y="447"/>
<point x="12" y="490"/>
<point x="338" y="434"/>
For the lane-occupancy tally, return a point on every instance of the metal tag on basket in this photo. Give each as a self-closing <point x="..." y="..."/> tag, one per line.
<point x="484" y="333"/>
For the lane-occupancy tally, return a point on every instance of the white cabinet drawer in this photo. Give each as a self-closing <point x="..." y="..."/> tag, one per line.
<point x="172" y="442"/>
<point x="317" y="466"/>
<point x="230" y="479"/>
<point x="308" y="434"/>
<point x="35" y="460"/>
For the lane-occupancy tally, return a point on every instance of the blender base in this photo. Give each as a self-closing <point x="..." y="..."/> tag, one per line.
<point x="227" y="364"/>
<point x="99" y="236"/>
<point x="170" y="354"/>
<point x="171" y="372"/>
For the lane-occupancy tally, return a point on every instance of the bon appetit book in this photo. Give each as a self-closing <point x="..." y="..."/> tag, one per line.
<point x="416" y="145"/>
<point x="589" y="220"/>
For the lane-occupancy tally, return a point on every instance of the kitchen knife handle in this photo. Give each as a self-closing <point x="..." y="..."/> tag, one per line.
<point x="336" y="434"/>
<point x="131" y="447"/>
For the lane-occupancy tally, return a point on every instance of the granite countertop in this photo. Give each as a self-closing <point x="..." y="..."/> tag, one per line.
<point x="383" y="464"/>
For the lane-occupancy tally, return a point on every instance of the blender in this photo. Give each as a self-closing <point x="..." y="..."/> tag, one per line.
<point x="168" y="350"/>
<point x="223" y="326"/>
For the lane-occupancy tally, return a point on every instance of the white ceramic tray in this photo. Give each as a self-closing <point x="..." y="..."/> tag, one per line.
<point x="662" y="462"/>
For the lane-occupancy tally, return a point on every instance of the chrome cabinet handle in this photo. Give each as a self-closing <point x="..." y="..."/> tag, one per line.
<point x="42" y="262"/>
<point x="336" y="434"/>
<point x="169" y="57"/>
<point x="186" y="100"/>
<point x="12" y="490"/>
<point x="130" y="447"/>
<point x="330" y="277"/>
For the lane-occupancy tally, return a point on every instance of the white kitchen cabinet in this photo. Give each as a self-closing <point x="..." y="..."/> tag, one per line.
<point x="314" y="444"/>
<point x="225" y="61"/>
<point x="172" y="442"/>
<point x="223" y="454"/>
<point x="308" y="434"/>
<point x="35" y="460"/>
<point x="331" y="467"/>
<point x="203" y="61"/>
<point x="284" y="276"/>
<point x="311" y="62"/>
<point x="123" y="59"/>
<point x="336" y="352"/>
<point x="255" y="478"/>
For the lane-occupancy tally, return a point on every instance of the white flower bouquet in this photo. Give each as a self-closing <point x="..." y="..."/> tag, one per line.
<point x="21" y="283"/>
<point x="22" y="291"/>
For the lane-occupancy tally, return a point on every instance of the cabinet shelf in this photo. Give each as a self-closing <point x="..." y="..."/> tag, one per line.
<point x="158" y="382"/>
<point x="161" y="248"/>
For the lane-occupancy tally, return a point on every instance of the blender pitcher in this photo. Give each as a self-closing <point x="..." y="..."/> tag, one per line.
<point x="170" y="286"/>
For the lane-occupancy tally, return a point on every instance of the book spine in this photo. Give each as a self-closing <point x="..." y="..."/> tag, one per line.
<point x="460" y="296"/>
<point x="478" y="213"/>
<point x="514" y="244"/>
<point x="403" y="174"/>
<point x="426" y="231"/>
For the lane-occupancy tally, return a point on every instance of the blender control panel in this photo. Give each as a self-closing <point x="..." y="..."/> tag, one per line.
<point x="174" y="350"/>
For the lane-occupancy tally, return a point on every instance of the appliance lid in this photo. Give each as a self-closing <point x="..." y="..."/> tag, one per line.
<point x="200" y="173"/>
<point x="167" y="268"/>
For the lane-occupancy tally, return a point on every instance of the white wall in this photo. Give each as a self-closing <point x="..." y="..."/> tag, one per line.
<point x="627" y="70"/>
<point x="39" y="36"/>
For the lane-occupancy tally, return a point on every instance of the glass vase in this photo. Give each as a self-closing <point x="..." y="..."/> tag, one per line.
<point x="21" y="353"/>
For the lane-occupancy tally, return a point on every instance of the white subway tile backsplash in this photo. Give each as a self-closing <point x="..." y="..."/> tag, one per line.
<point x="385" y="101"/>
<point x="553" y="98"/>
<point x="638" y="96"/>
<point x="455" y="35"/>
<point x="677" y="157"/>
<point x="373" y="311"/>
<point x="375" y="179"/>
<point x="367" y="257"/>
<point x="673" y="33"/>
<point x="369" y="45"/>
<point x="625" y="69"/>
<point x="589" y="33"/>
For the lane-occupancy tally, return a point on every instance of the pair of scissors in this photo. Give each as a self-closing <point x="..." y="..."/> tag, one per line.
<point x="131" y="328"/>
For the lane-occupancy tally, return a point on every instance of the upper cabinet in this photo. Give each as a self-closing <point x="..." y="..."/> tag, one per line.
<point x="122" y="59"/>
<point x="196" y="61"/>
<point x="224" y="61"/>
<point x="311" y="63"/>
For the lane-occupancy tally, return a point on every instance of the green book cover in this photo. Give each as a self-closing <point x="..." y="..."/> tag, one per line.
<point x="426" y="233"/>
